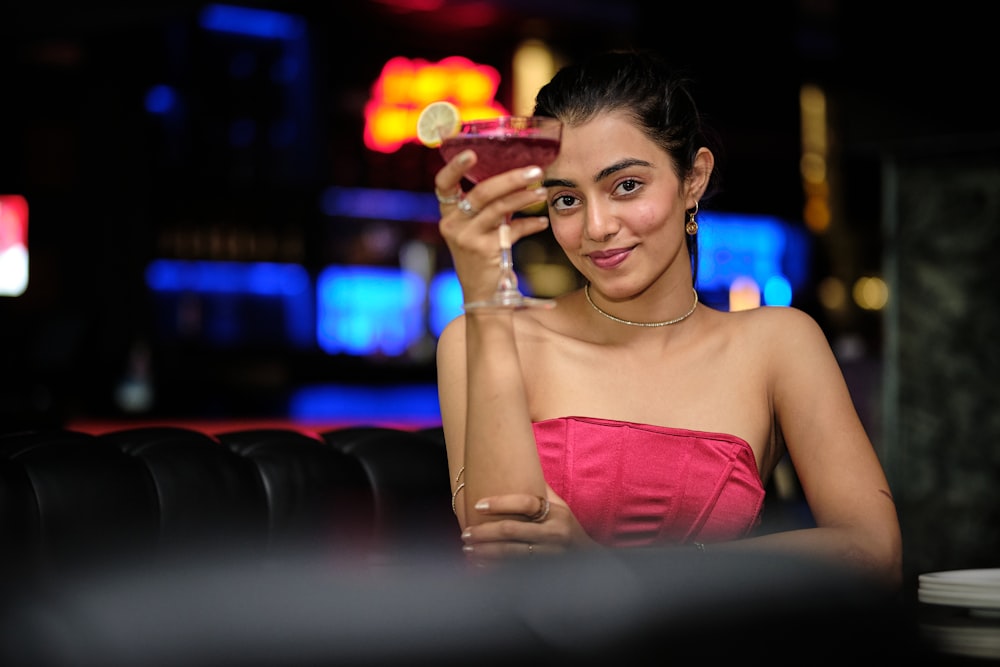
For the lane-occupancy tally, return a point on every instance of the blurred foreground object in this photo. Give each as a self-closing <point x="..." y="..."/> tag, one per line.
<point x="305" y="608"/>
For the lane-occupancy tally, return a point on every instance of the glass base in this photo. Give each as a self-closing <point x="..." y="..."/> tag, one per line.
<point x="510" y="300"/>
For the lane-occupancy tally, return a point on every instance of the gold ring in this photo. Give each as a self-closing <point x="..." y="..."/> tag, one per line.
<point x="543" y="510"/>
<point x="465" y="207"/>
<point x="449" y="199"/>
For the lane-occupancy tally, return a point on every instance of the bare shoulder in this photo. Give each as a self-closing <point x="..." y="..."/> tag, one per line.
<point x="775" y="335"/>
<point x="778" y="323"/>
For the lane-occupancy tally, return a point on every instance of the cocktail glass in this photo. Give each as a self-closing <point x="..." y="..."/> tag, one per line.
<point x="501" y="144"/>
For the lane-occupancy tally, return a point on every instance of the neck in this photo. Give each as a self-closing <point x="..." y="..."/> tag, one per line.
<point x="619" y="320"/>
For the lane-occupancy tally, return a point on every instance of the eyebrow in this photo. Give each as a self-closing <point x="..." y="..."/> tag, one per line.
<point x="602" y="174"/>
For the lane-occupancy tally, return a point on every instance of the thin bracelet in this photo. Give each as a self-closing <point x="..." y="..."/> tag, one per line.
<point x="457" y="489"/>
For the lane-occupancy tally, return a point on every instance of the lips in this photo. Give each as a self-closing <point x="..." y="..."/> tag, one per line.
<point x="609" y="259"/>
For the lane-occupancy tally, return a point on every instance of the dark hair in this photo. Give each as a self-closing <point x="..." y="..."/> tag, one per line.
<point x="640" y="84"/>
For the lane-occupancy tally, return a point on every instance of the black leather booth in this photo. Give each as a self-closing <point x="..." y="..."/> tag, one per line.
<point x="162" y="546"/>
<point x="70" y="499"/>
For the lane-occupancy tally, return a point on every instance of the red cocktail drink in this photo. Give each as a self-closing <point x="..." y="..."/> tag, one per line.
<point x="502" y="144"/>
<point x="498" y="153"/>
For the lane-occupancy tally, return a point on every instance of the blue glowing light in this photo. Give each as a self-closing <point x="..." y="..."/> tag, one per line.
<point x="777" y="291"/>
<point x="763" y="248"/>
<point x="220" y="288"/>
<point x="729" y="244"/>
<point x="370" y="203"/>
<point x="261" y="23"/>
<point x="383" y="311"/>
<point x="161" y="99"/>
<point x="360" y="404"/>
<point x="369" y="310"/>
<point x="445" y="300"/>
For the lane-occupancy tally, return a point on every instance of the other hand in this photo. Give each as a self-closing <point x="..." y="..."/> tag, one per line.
<point x="522" y="537"/>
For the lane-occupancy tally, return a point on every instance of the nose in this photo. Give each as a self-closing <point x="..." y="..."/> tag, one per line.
<point x="600" y="223"/>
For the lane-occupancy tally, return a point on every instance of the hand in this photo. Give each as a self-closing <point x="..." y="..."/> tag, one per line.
<point x="471" y="229"/>
<point x="522" y="537"/>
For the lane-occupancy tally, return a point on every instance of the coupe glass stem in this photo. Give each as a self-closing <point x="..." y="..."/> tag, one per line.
<point x="507" y="284"/>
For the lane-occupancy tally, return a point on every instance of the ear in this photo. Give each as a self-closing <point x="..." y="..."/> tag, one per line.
<point x="701" y="172"/>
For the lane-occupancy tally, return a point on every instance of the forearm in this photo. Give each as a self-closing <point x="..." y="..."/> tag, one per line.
<point x="500" y="453"/>
<point x="878" y="557"/>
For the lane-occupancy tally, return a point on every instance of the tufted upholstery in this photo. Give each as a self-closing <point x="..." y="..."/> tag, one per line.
<point x="121" y="499"/>
<point x="71" y="498"/>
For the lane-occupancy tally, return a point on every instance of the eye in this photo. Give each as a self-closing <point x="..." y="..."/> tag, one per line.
<point x="628" y="186"/>
<point x="564" y="202"/>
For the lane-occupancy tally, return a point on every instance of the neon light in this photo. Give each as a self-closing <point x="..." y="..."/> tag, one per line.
<point x="383" y="311"/>
<point x="761" y="248"/>
<point x="161" y="99"/>
<point x="777" y="291"/>
<point x="445" y="300"/>
<point x="369" y="310"/>
<point x="261" y="23"/>
<point x="766" y="249"/>
<point x="377" y="204"/>
<point x="744" y="294"/>
<point x="358" y="404"/>
<point x="215" y="289"/>
<point x="406" y="86"/>
<point x="13" y="245"/>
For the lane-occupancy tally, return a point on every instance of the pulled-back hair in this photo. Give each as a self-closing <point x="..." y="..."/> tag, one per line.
<point x="641" y="85"/>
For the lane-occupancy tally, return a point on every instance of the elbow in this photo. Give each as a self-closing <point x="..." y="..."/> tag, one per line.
<point x="881" y="559"/>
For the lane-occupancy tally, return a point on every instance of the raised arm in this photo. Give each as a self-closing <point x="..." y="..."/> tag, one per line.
<point x="484" y="409"/>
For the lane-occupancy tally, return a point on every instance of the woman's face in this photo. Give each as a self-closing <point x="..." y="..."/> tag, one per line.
<point x="616" y="206"/>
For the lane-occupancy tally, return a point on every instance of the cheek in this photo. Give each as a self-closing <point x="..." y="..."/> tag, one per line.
<point x="645" y="218"/>
<point x="568" y="234"/>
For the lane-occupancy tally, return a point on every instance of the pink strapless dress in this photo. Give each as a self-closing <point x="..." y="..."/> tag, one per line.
<point x="634" y="485"/>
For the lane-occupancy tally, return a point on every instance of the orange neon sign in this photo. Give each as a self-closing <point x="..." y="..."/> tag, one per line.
<point x="406" y="86"/>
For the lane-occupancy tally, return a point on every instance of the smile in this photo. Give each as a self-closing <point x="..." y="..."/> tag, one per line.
<point x="609" y="259"/>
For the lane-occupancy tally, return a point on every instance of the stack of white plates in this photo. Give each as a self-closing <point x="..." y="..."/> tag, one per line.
<point x="973" y="597"/>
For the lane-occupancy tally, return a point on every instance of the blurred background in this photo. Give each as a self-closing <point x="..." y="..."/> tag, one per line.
<point x="215" y="211"/>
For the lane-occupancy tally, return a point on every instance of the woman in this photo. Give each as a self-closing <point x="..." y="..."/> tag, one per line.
<point x="631" y="414"/>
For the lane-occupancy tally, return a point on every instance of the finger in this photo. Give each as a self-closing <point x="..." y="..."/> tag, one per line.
<point x="523" y="504"/>
<point x="448" y="179"/>
<point x="493" y="551"/>
<point x="465" y="206"/>
<point x="517" y="188"/>
<point x="522" y="227"/>
<point x="477" y="201"/>
<point x="502" y="531"/>
<point x="448" y="199"/>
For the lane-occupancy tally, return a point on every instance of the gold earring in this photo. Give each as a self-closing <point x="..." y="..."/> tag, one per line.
<point x="691" y="226"/>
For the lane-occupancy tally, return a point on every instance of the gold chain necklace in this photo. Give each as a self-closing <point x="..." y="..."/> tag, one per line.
<point x="586" y="293"/>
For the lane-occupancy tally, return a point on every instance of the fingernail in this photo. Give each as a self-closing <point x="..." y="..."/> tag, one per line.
<point x="541" y="192"/>
<point x="466" y="534"/>
<point x="464" y="157"/>
<point x="467" y="548"/>
<point x="482" y="505"/>
<point x="532" y="172"/>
